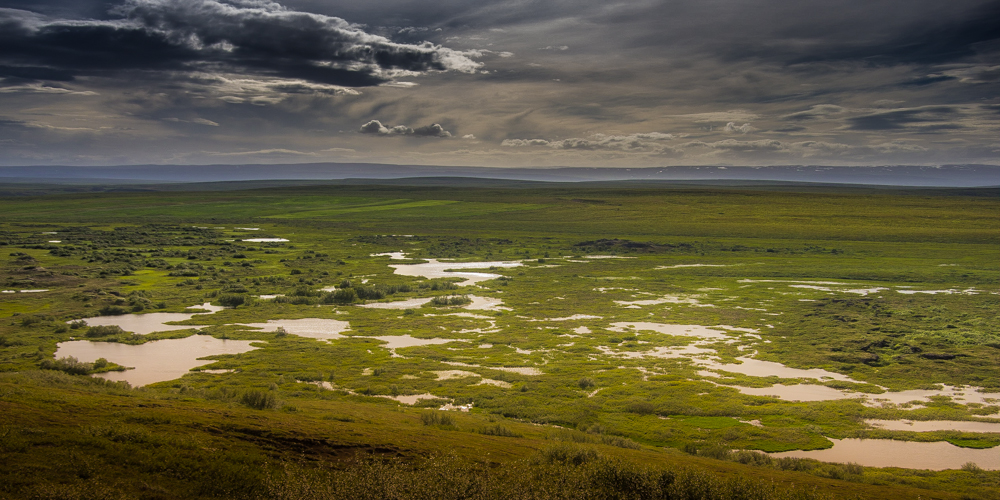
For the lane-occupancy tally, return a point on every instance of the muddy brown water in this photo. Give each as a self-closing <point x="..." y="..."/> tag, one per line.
<point x="155" y="361"/>
<point x="938" y="455"/>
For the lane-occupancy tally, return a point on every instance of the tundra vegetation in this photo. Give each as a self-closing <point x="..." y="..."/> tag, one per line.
<point x="574" y="386"/>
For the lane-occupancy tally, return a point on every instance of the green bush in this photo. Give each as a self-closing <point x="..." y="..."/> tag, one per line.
<point x="343" y="296"/>
<point x="641" y="407"/>
<point x="453" y="300"/>
<point x="436" y="418"/>
<point x="112" y="311"/>
<point x="104" y="331"/>
<point x="716" y="451"/>
<point x="755" y="458"/>
<point x="971" y="467"/>
<point x="68" y="365"/>
<point x="796" y="464"/>
<point x="499" y="430"/>
<point x="30" y="321"/>
<point x="259" y="400"/>
<point x="568" y="454"/>
<point x="232" y="299"/>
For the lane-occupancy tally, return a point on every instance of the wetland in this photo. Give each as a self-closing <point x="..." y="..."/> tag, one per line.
<point x="801" y="326"/>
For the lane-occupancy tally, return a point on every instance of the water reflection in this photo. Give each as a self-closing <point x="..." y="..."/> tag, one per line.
<point x="154" y="361"/>
<point x="435" y="269"/>
<point x="934" y="425"/>
<point x="316" y="328"/>
<point x="144" y="324"/>
<point x="801" y="392"/>
<point x="907" y="454"/>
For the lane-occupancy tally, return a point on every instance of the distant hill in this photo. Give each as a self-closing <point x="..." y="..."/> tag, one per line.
<point x="892" y="175"/>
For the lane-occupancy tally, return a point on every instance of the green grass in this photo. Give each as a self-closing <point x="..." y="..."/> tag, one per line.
<point x="162" y="252"/>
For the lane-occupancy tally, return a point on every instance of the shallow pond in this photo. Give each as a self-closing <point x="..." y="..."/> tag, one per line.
<point x="759" y="368"/>
<point x="934" y="425"/>
<point x="498" y="383"/>
<point x="144" y="324"/>
<point x="316" y="328"/>
<point x="411" y="399"/>
<point x="911" y="455"/>
<point x="637" y="304"/>
<point x="486" y="304"/>
<point x="398" y="304"/>
<point x="699" y="331"/>
<point x="565" y="318"/>
<point x="435" y="269"/>
<point x="679" y="266"/>
<point x="950" y="291"/>
<point x="394" y="342"/>
<point x="478" y="304"/>
<point x="523" y="370"/>
<point x="801" y="392"/>
<point x="450" y="374"/>
<point x="963" y="395"/>
<point x="154" y="361"/>
<point x="392" y="255"/>
<point x="812" y="392"/>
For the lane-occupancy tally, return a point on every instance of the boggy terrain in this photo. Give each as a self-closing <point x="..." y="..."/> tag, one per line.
<point x="343" y="341"/>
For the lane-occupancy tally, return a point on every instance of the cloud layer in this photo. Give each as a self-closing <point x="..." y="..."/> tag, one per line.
<point x="245" y="37"/>
<point x="561" y="82"/>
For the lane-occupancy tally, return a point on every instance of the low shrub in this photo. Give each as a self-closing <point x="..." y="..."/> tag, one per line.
<point x="568" y="454"/>
<point x="341" y="296"/>
<point x="259" y="400"/>
<point x="437" y="418"/>
<point x="499" y="430"/>
<point x="232" y="299"/>
<point x="112" y="311"/>
<point x="104" y="331"/>
<point x="452" y="300"/>
<point x="68" y="365"/>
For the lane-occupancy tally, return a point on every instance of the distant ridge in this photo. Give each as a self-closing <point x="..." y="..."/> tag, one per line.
<point x="888" y="175"/>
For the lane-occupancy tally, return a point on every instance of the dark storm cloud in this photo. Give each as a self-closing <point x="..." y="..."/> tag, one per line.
<point x="785" y="32"/>
<point x="930" y="41"/>
<point x="583" y="82"/>
<point x="885" y="32"/>
<point x="920" y="81"/>
<point x="899" y="119"/>
<point x="256" y="37"/>
<point x="64" y="49"/>
<point x="70" y="9"/>
<point x="35" y="73"/>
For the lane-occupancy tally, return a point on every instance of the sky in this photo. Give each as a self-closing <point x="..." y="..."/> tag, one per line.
<point x="502" y="83"/>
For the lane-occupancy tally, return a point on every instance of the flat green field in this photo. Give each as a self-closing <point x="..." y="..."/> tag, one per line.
<point x="626" y="342"/>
